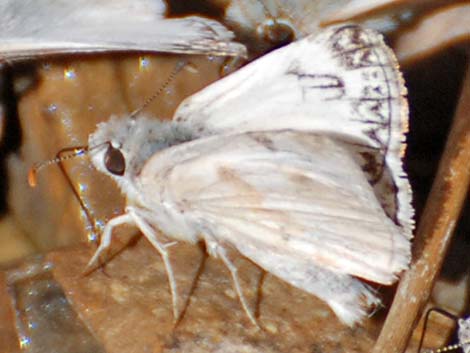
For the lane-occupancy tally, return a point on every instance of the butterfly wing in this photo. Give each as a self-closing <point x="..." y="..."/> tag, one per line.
<point x="32" y="28"/>
<point x="343" y="82"/>
<point x="286" y="195"/>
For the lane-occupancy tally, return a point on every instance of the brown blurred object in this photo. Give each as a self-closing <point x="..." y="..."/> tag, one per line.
<point x="2" y="120"/>
<point x="14" y="244"/>
<point x="437" y="30"/>
<point x="438" y="332"/>
<point x="434" y="233"/>
<point x="65" y="101"/>
<point x="8" y="333"/>
<point x="361" y="9"/>
<point x="127" y="306"/>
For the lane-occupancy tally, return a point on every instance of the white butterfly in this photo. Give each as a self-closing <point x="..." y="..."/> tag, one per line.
<point x="29" y="28"/>
<point x="294" y="160"/>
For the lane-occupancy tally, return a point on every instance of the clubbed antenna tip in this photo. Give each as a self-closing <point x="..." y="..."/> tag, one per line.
<point x="73" y="152"/>
<point x="32" y="177"/>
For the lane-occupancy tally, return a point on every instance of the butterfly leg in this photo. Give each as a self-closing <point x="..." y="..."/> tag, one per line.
<point x="222" y="254"/>
<point x="107" y="235"/>
<point x="151" y="236"/>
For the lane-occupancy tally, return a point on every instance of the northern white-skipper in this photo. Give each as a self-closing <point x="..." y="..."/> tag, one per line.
<point x="294" y="161"/>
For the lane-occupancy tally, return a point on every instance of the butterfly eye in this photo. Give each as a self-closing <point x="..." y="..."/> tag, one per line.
<point x="114" y="161"/>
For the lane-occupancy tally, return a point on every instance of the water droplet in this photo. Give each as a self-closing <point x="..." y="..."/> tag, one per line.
<point x="25" y="342"/>
<point x="144" y="63"/>
<point x="69" y="74"/>
<point x="52" y="108"/>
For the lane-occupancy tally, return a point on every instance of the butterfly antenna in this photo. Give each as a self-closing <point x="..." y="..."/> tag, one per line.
<point x="178" y="67"/>
<point x="64" y="155"/>
<point x="72" y="152"/>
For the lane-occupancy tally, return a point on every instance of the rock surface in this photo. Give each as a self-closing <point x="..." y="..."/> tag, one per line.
<point x="126" y="305"/>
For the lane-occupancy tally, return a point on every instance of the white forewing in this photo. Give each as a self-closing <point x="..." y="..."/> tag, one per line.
<point x="318" y="83"/>
<point x="30" y="28"/>
<point x="344" y="83"/>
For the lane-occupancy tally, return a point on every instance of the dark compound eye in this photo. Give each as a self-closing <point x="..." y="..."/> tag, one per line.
<point x="114" y="161"/>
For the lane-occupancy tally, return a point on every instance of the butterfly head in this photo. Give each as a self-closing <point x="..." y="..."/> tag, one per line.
<point x="120" y="147"/>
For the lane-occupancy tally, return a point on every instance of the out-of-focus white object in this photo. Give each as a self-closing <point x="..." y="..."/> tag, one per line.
<point x="30" y="28"/>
